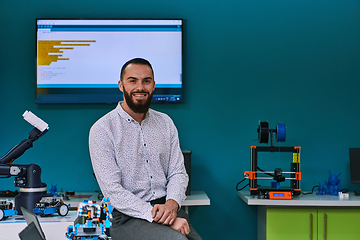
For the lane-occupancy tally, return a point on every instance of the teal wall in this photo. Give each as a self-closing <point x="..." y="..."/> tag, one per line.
<point x="294" y="62"/>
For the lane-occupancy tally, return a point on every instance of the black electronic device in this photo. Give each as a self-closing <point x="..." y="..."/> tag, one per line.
<point x="354" y="155"/>
<point x="9" y="193"/>
<point x="187" y="162"/>
<point x="79" y="60"/>
<point x="33" y="231"/>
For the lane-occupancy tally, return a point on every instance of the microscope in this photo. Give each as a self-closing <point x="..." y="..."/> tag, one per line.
<point x="27" y="177"/>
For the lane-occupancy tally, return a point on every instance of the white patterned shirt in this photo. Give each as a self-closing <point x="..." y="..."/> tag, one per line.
<point x="134" y="163"/>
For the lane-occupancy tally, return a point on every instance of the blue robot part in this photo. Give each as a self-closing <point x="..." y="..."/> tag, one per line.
<point x="51" y="205"/>
<point x="7" y="209"/>
<point x="90" y="224"/>
<point x="107" y="210"/>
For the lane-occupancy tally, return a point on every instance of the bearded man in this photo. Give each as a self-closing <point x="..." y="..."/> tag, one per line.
<point x="138" y="163"/>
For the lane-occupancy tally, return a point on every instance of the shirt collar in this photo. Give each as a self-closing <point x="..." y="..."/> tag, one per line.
<point x="126" y="116"/>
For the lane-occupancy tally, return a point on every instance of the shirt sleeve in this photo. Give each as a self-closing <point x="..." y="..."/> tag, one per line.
<point x="108" y="174"/>
<point x="177" y="177"/>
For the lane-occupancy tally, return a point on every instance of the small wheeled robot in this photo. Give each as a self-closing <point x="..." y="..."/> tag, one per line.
<point x="7" y="209"/>
<point x="50" y="205"/>
<point x="93" y="221"/>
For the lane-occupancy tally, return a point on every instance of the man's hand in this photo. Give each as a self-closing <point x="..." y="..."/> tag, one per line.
<point x="165" y="213"/>
<point x="181" y="225"/>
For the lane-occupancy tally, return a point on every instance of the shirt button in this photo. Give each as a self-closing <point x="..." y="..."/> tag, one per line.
<point x="145" y="144"/>
<point x="147" y="161"/>
<point x="150" y="176"/>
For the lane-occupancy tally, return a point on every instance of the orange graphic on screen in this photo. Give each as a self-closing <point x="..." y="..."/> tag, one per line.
<point x="47" y="47"/>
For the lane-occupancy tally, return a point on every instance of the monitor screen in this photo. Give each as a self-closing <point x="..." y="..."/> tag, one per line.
<point x="79" y="60"/>
<point x="354" y="154"/>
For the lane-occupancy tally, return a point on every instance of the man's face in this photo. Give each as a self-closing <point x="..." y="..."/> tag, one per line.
<point x="138" y="87"/>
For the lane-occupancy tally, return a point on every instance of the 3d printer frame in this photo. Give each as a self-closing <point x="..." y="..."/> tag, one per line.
<point x="275" y="193"/>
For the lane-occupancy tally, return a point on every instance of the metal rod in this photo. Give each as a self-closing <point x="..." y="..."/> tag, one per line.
<point x="271" y="178"/>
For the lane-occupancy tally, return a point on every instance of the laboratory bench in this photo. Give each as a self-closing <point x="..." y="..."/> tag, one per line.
<point x="310" y="216"/>
<point x="55" y="226"/>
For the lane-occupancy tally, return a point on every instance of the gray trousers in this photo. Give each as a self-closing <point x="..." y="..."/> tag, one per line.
<point x="125" y="227"/>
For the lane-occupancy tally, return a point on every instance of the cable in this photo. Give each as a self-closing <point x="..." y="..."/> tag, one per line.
<point x="272" y="175"/>
<point x="312" y="191"/>
<point x="237" y="185"/>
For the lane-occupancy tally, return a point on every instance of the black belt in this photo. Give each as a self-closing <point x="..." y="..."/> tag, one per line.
<point x="158" y="201"/>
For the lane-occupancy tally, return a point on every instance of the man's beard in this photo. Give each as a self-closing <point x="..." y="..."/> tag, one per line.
<point x="141" y="107"/>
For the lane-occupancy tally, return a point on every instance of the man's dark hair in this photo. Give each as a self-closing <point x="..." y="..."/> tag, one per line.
<point x="135" y="61"/>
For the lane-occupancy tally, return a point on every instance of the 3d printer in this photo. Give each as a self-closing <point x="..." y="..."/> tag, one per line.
<point x="27" y="177"/>
<point x="274" y="191"/>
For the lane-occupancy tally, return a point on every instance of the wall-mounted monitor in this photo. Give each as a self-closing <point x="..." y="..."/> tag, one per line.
<point x="79" y="60"/>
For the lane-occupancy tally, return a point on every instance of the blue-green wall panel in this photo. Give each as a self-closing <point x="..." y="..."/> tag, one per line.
<point x="293" y="62"/>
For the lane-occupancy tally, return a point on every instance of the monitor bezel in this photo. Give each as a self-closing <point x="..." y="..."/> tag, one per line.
<point x="157" y="90"/>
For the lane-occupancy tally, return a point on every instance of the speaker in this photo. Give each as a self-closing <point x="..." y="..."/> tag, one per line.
<point x="187" y="162"/>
